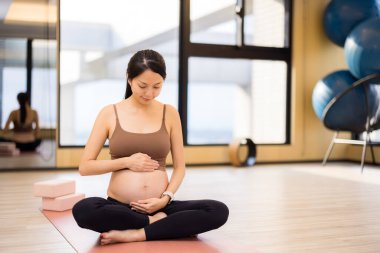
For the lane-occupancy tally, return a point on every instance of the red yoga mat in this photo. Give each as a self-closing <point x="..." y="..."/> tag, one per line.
<point x="84" y="240"/>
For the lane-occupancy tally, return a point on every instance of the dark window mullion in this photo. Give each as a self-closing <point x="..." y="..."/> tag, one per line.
<point x="246" y="52"/>
<point x="288" y="43"/>
<point x="184" y="42"/>
<point x="288" y="23"/>
<point x="239" y="15"/>
<point x="29" y="67"/>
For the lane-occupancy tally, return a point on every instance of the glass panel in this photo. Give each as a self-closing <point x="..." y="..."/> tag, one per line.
<point x="213" y="21"/>
<point x="96" y="46"/>
<point x="269" y="101"/>
<point x="264" y="23"/>
<point x="375" y="136"/>
<point x="44" y="82"/>
<point x="12" y="74"/>
<point x="246" y="100"/>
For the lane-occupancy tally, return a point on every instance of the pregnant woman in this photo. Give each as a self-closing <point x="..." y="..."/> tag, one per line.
<point x="141" y="132"/>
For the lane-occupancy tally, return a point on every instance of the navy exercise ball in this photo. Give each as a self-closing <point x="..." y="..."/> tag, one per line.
<point x="362" y="48"/>
<point x="328" y="87"/>
<point x="348" y="113"/>
<point x="341" y="16"/>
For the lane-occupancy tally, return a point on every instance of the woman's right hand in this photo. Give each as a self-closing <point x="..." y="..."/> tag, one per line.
<point x="140" y="162"/>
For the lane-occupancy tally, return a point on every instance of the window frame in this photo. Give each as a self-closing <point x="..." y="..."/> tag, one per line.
<point x="191" y="49"/>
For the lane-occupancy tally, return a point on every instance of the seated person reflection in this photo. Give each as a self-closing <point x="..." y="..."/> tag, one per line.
<point x="26" y="130"/>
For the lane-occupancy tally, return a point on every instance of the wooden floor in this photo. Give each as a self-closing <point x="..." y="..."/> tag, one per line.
<point x="289" y="208"/>
<point x="43" y="157"/>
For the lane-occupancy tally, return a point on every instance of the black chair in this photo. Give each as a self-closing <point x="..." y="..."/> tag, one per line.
<point x="357" y="110"/>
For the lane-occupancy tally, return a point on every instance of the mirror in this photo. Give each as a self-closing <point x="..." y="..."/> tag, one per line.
<point x="28" y="65"/>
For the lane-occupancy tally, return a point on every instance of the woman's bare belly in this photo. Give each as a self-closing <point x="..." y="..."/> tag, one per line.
<point x="126" y="185"/>
<point x="24" y="137"/>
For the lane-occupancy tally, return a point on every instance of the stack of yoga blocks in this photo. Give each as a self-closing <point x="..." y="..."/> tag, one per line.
<point x="8" y="149"/>
<point x="57" y="194"/>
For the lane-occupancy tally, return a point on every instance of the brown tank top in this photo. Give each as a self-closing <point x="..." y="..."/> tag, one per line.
<point x="156" y="144"/>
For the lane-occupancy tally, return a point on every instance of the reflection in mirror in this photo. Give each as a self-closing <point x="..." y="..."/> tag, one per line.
<point x="27" y="84"/>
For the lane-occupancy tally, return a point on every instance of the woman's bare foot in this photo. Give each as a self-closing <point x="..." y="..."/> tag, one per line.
<point x="115" y="236"/>
<point x="156" y="217"/>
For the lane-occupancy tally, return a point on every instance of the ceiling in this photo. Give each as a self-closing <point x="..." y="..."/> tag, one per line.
<point x="28" y="18"/>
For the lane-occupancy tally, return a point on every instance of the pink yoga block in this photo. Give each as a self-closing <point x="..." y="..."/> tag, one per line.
<point x="14" y="152"/>
<point x="7" y="145"/>
<point x="54" y="188"/>
<point x="62" y="203"/>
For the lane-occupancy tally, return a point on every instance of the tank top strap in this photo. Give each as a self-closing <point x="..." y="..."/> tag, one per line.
<point x="114" y="108"/>
<point x="163" y="116"/>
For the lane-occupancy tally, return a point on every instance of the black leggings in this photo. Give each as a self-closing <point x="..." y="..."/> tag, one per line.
<point x="185" y="218"/>
<point x="24" y="146"/>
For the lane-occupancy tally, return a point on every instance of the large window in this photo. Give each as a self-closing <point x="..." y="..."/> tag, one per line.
<point x="96" y="45"/>
<point x="213" y="21"/>
<point x="236" y="104"/>
<point x="12" y="73"/>
<point x="236" y="62"/>
<point x="44" y="80"/>
<point x="266" y="23"/>
<point x="228" y="64"/>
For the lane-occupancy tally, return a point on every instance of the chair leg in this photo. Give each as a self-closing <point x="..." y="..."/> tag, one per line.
<point x="329" y="149"/>
<point x="364" y="150"/>
<point x="372" y="153"/>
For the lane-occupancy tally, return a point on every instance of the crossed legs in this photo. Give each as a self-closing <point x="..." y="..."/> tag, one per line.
<point x="118" y="223"/>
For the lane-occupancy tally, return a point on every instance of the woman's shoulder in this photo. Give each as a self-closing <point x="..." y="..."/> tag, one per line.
<point x="171" y="113"/>
<point x="106" y="115"/>
<point x="13" y="113"/>
<point x="171" y="109"/>
<point x="107" y="110"/>
<point x="33" y="111"/>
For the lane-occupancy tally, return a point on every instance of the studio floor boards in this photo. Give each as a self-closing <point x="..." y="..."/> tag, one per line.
<point x="288" y="208"/>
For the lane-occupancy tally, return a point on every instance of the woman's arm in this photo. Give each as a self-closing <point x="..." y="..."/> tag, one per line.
<point x="9" y="120"/>
<point x="177" y="151"/>
<point x="37" y="127"/>
<point x="88" y="164"/>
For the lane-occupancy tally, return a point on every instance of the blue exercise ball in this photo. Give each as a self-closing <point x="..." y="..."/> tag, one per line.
<point x="362" y="48"/>
<point x="341" y="16"/>
<point x="347" y="113"/>
<point x="328" y="87"/>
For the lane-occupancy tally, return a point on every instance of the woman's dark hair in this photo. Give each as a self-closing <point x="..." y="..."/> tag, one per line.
<point x="141" y="61"/>
<point x="23" y="99"/>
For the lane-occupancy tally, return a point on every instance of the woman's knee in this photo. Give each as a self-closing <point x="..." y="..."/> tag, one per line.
<point x="220" y="213"/>
<point x="84" y="211"/>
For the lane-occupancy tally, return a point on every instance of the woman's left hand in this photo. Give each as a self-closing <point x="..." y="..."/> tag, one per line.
<point x="149" y="206"/>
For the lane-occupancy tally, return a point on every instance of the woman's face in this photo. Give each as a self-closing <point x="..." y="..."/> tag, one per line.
<point x="146" y="86"/>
